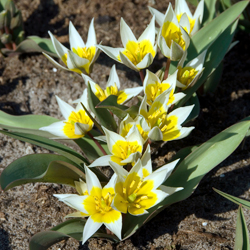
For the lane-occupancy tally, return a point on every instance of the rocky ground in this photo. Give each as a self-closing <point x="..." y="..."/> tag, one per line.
<point x="28" y="85"/>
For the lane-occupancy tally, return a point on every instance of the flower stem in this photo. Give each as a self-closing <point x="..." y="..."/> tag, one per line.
<point x="167" y="69"/>
<point x="141" y="76"/>
<point x="97" y="143"/>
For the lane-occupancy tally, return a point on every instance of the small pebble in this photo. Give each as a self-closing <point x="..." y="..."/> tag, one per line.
<point x="204" y="224"/>
<point x="54" y="69"/>
<point x="222" y="175"/>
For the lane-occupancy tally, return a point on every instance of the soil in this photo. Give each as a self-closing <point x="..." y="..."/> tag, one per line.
<point x="28" y="85"/>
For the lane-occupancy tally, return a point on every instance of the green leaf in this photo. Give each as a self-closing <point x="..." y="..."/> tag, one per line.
<point x="215" y="54"/>
<point x="26" y="123"/>
<point x="40" y="168"/>
<point x="194" y="2"/>
<point x="196" y="109"/>
<point x="50" y="145"/>
<point x="37" y="44"/>
<point x="192" y="169"/>
<point x="104" y="116"/>
<point x="234" y="199"/>
<point x="209" y="11"/>
<point x="213" y="80"/>
<point x="70" y="228"/>
<point x="183" y="153"/>
<point x="241" y="237"/>
<point x="209" y="33"/>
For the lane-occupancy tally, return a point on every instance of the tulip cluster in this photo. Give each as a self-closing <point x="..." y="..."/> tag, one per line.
<point x="134" y="186"/>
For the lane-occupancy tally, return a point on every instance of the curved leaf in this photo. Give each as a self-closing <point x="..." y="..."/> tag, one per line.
<point x="40" y="168"/>
<point x="241" y="237"/>
<point x="50" y="145"/>
<point x="192" y="169"/>
<point x="103" y="116"/>
<point x="234" y="199"/>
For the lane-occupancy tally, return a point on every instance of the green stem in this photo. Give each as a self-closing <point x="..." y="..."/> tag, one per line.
<point x="97" y="143"/>
<point x="167" y="69"/>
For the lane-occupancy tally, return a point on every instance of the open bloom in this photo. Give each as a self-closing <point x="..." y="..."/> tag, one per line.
<point x="191" y="23"/>
<point x="124" y="150"/>
<point x="76" y="124"/>
<point x="172" y="38"/>
<point x="95" y="203"/>
<point x="136" y="54"/>
<point x="81" y="57"/>
<point x="187" y="76"/>
<point x="164" y="126"/>
<point x="128" y="122"/>
<point x="135" y="193"/>
<point x="112" y="88"/>
<point x="153" y="87"/>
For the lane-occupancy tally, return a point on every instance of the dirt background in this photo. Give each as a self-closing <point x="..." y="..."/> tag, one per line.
<point x="28" y="85"/>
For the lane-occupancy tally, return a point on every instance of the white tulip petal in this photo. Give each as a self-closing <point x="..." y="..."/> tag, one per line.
<point x="143" y="105"/>
<point x="196" y="27"/>
<point x="76" y="202"/>
<point x="76" y="62"/>
<point x="55" y="129"/>
<point x="198" y="62"/>
<point x="97" y="53"/>
<point x="182" y="113"/>
<point x="132" y="158"/>
<point x="55" y="63"/>
<point x="111" y="52"/>
<point x="146" y="160"/>
<point x="158" y="15"/>
<point x="113" y="78"/>
<point x="91" y="41"/>
<point x="183" y="59"/>
<point x="74" y="215"/>
<point x="75" y="39"/>
<point x="184" y="23"/>
<point x="112" y="138"/>
<point x="60" y="49"/>
<point x="134" y="135"/>
<point x="161" y="174"/>
<point x="155" y="134"/>
<point x="185" y="37"/>
<point x="150" y="78"/>
<point x="165" y="50"/>
<point x="185" y="131"/>
<point x="112" y="181"/>
<point x="91" y="180"/>
<point x="137" y="168"/>
<point x="63" y="196"/>
<point x="119" y="170"/>
<point x="182" y="7"/>
<point x="132" y="92"/>
<point x="178" y="97"/>
<point x="89" y="229"/>
<point x="160" y="196"/>
<point x="149" y="32"/>
<point x="115" y="227"/>
<point x="84" y="100"/>
<point x="199" y="11"/>
<point x="176" y="51"/>
<point x="170" y="16"/>
<point x="126" y="33"/>
<point x="81" y="128"/>
<point x="101" y="161"/>
<point x="65" y="108"/>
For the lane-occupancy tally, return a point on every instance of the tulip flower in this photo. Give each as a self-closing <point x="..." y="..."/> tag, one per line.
<point x="76" y="124"/>
<point x="112" y="88"/>
<point x="187" y="76"/>
<point x="135" y="193"/>
<point x="153" y="87"/>
<point x="95" y="204"/>
<point x="172" y="38"/>
<point x="123" y="150"/>
<point x="136" y="54"/>
<point x="164" y="126"/>
<point x="81" y="57"/>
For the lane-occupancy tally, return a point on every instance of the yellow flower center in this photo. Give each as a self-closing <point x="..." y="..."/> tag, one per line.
<point x="155" y="89"/>
<point x="87" y="53"/>
<point x="123" y="149"/>
<point x="111" y="90"/>
<point x="134" y="194"/>
<point x="98" y="205"/>
<point x="171" y="32"/>
<point x="191" y="21"/>
<point x="186" y="75"/>
<point x="136" y="51"/>
<point x="157" y="117"/>
<point x="79" y="117"/>
<point x="126" y="128"/>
